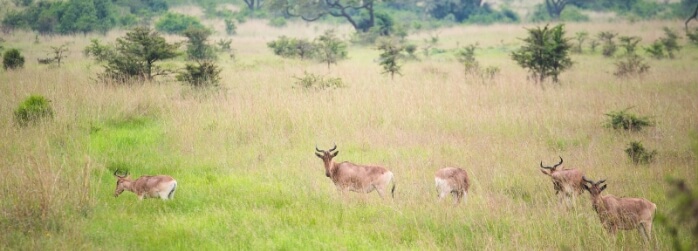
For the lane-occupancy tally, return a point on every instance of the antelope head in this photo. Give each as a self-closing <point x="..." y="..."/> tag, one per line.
<point x="551" y="168"/>
<point x="326" y="157"/>
<point x="595" y="189"/>
<point x="123" y="182"/>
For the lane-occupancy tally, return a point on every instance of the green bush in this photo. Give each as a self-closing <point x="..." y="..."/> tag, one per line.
<point x="277" y="22"/>
<point x="311" y="81"/>
<point x="12" y="59"/>
<point x="693" y="36"/>
<point x="174" y="23"/>
<point x="545" y="53"/>
<point x="203" y="74"/>
<point x="631" y="65"/>
<point x="230" y="27"/>
<point x="627" y="121"/>
<point x="466" y="56"/>
<point x="656" y="50"/>
<point x="34" y="109"/>
<point x="638" y="154"/>
<point x="609" y="45"/>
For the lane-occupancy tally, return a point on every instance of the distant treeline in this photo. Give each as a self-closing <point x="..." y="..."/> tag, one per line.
<point x="84" y="16"/>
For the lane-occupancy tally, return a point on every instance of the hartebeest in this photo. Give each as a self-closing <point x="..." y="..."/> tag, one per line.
<point x="162" y="186"/>
<point x="452" y="180"/>
<point x="357" y="178"/>
<point x="567" y="183"/>
<point x="621" y="213"/>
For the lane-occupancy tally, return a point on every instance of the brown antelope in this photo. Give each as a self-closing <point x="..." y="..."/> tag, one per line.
<point x="567" y="183"/>
<point x="356" y="178"/>
<point x="621" y="213"/>
<point x="162" y="186"/>
<point x="452" y="180"/>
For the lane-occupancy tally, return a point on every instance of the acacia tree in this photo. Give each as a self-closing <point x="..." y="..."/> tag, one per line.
<point x="545" y="53"/>
<point x="312" y="10"/>
<point x="135" y="55"/>
<point x="391" y="53"/>
<point x="253" y="4"/>
<point x="330" y="48"/>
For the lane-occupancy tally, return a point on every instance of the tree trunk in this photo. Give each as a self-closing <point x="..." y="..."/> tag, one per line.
<point x="694" y="16"/>
<point x="555" y="8"/>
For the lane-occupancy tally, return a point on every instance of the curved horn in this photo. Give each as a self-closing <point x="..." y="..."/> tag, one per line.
<point x="601" y="181"/>
<point x="558" y="163"/>
<point x="546" y="167"/>
<point x="333" y="148"/>
<point x="120" y="176"/>
<point x="587" y="180"/>
<point x="317" y="150"/>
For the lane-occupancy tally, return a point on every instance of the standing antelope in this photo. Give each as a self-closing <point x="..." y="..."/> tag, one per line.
<point x="567" y="183"/>
<point x="357" y="178"/>
<point x="162" y="186"/>
<point x="452" y="180"/>
<point x="621" y="213"/>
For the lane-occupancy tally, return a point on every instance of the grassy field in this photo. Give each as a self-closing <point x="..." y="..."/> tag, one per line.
<point x="248" y="178"/>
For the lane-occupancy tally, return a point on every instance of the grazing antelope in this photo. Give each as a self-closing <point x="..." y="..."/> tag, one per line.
<point x="567" y="183"/>
<point x="162" y="186"/>
<point x="357" y="178"/>
<point x="452" y="180"/>
<point x="621" y="213"/>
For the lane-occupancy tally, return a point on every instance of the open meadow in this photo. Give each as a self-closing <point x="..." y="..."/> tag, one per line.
<point x="243" y="155"/>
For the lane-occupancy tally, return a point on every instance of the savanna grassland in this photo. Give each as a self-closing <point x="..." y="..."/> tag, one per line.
<point x="248" y="178"/>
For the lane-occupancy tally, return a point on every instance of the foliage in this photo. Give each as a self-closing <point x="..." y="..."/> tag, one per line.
<point x="330" y="49"/>
<point x="638" y="154"/>
<point x="32" y="110"/>
<point x="391" y="53"/>
<point x="293" y="47"/>
<point x="541" y="13"/>
<point x="692" y="36"/>
<point x="136" y="54"/>
<point x="224" y="45"/>
<point x="545" y="53"/>
<point x="359" y="14"/>
<point x="277" y="22"/>
<point x="174" y="23"/>
<point x="311" y="81"/>
<point x="65" y="17"/>
<point x="627" y="121"/>
<point x="197" y="46"/>
<point x="670" y="42"/>
<point x="13" y="20"/>
<point x="609" y="45"/>
<point x="58" y="54"/>
<point x="411" y="49"/>
<point x="580" y="37"/>
<point x="204" y="74"/>
<point x="656" y="50"/>
<point x="12" y="59"/>
<point x="99" y="51"/>
<point x="466" y="56"/>
<point x="629" y="44"/>
<point x="230" y="27"/>
<point x="631" y="65"/>
<point x="430" y="44"/>
<point x="593" y="44"/>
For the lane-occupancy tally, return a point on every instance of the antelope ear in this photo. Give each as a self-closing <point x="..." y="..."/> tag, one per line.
<point x="603" y="187"/>
<point x="318" y="155"/>
<point x="544" y="172"/>
<point x="335" y="154"/>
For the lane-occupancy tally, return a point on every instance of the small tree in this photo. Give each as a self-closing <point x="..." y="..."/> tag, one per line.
<point x="629" y="43"/>
<point x="631" y="65"/>
<point x="99" y="51"/>
<point x="627" y="121"/>
<point x="638" y="154"/>
<point x="197" y="46"/>
<point x="330" y="48"/>
<point x="609" y="45"/>
<point x="656" y="50"/>
<point x="692" y="36"/>
<point x="466" y="56"/>
<point x="136" y="54"/>
<point x="12" y="59"/>
<point x="580" y="37"/>
<point x="58" y="54"/>
<point x="670" y="42"/>
<point x="204" y="73"/>
<point x="545" y="53"/>
<point x="391" y="54"/>
<point x="230" y="27"/>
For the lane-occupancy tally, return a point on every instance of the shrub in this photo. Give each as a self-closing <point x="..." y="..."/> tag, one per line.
<point x="580" y="37"/>
<point x="284" y="47"/>
<point x="99" y="51"/>
<point x="330" y="49"/>
<point x="230" y="27"/>
<point x="391" y="54"/>
<point x="203" y="74"/>
<point x="629" y="44"/>
<point x="12" y="59"/>
<point x="173" y="23"/>
<point x="224" y="45"/>
<point x="631" y="65"/>
<point x="693" y="36"/>
<point x="197" y="46"/>
<point x="627" y="121"/>
<point x="466" y="56"/>
<point x="34" y="109"/>
<point x="545" y="53"/>
<point x="311" y="81"/>
<point x="670" y="42"/>
<point x="277" y="22"/>
<point x="638" y="154"/>
<point x="609" y="45"/>
<point x="656" y="50"/>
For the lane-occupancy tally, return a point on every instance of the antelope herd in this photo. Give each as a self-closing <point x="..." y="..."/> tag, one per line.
<point x="615" y="213"/>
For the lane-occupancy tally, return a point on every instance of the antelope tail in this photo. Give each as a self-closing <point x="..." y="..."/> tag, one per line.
<point x="392" y="190"/>
<point x="171" y="194"/>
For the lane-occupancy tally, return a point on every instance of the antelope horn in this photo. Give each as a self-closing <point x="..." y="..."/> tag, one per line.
<point x="333" y="148"/>
<point x="318" y="150"/>
<point x="587" y="180"/>
<point x="546" y="167"/>
<point x="601" y="181"/>
<point x="117" y="175"/>
<point x="558" y="163"/>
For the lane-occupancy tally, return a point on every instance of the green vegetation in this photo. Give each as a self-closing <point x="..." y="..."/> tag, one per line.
<point x="391" y="55"/>
<point x="202" y="74"/>
<point x="197" y="44"/>
<point x="293" y="47"/>
<point x="638" y="154"/>
<point x="466" y="56"/>
<point x="310" y="81"/>
<point x="609" y="46"/>
<point x="330" y="49"/>
<point x="545" y="53"/>
<point x="12" y="59"/>
<point x="627" y="121"/>
<point x="32" y="110"/>
<point x="631" y="65"/>
<point x="173" y="23"/>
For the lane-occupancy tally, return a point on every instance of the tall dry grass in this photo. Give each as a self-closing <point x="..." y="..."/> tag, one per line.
<point x="243" y="155"/>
